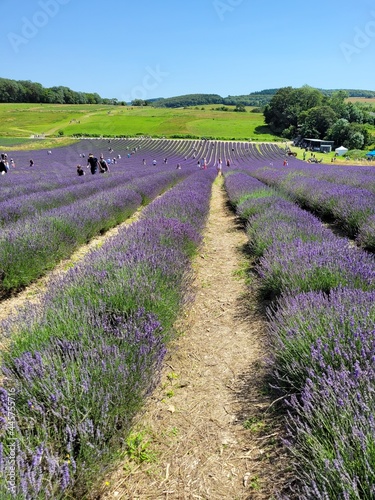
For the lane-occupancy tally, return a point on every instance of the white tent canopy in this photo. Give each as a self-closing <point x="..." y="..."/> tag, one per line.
<point x="341" y="150"/>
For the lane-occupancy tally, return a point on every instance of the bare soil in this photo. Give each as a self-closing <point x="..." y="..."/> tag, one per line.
<point x="210" y="430"/>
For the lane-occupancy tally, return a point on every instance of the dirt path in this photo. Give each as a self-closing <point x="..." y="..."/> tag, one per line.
<point x="209" y="423"/>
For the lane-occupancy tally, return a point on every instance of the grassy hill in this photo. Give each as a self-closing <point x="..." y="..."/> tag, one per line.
<point x="56" y="120"/>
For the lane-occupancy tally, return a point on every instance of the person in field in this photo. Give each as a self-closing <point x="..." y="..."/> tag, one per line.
<point x="4" y="165"/>
<point x="103" y="165"/>
<point x="80" y="170"/>
<point x="219" y="167"/>
<point x="31" y="162"/>
<point x="228" y="162"/>
<point x="92" y="162"/>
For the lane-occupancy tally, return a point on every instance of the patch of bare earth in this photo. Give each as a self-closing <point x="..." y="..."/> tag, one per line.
<point x="210" y="422"/>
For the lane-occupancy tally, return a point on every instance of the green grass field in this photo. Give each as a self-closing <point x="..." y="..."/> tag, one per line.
<point x="50" y="120"/>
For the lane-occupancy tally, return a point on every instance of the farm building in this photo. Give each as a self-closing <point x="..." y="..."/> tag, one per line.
<point x="318" y="145"/>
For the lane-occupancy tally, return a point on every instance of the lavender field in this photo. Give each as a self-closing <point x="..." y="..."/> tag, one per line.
<point x="80" y="365"/>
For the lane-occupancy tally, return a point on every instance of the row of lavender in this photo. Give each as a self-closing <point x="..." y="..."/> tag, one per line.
<point x="80" y="365"/>
<point x="322" y="323"/>
<point x="351" y="175"/>
<point x="47" y="210"/>
<point x="56" y="168"/>
<point x="18" y="207"/>
<point x="33" y="245"/>
<point x="51" y="182"/>
<point x="347" y="196"/>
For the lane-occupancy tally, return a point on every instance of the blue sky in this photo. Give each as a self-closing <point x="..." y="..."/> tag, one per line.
<point x="146" y="49"/>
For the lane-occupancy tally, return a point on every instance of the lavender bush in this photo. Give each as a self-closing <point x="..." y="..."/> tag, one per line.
<point x="281" y="221"/>
<point x="349" y="206"/>
<point x="366" y="234"/>
<point x="240" y="186"/>
<point x="299" y="266"/>
<point x="32" y="246"/>
<point x="254" y="205"/>
<point x="313" y="331"/>
<point x="332" y="428"/>
<point x="61" y="434"/>
<point x="188" y="202"/>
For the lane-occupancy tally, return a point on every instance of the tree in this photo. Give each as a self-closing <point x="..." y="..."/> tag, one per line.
<point x="138" y="102"/>
<point x="338" y="104"/>
<point x="355" y="113"/>
<point x="356" y="141"/>
<point x="48" y="96"/>
<point x="286" y="110"/>
<point x="33" y="91"/>
<point x="357" y="130"/>
<point x="275" y="112"/>
<point x="58" y="95"/>
<point x="97" y="98"/>
<point x="350" y="135"/>
<point x="92" y="98"/>
<point x="339" y="132"/>
<point x="240" y="108"/>
<point x="317" y="121"/>
<point x="10" y="90"/>
<point x="183" y="101"/>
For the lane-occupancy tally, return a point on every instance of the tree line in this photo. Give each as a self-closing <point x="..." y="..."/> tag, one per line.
<point x="256" y="99"/>
<point x="25" y="91"/>
<point x="188" y="100"/>
<point x="308" y="112"/>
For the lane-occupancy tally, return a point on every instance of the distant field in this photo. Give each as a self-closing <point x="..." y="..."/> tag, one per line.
<point x="23" y="144"/>
<point x="16" y="141"/>
<point x="27" y="120"/>
<point x="30" y="144"/>
<point x="368" y="100"/>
